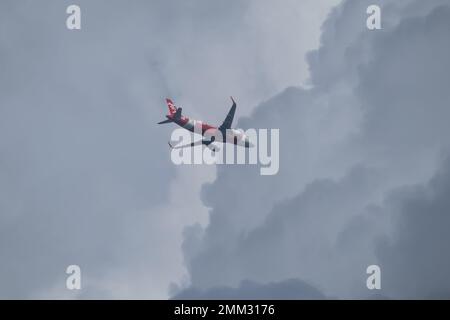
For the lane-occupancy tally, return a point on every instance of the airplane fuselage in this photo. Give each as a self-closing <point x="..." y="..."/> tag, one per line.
<point x="232" y="136"/>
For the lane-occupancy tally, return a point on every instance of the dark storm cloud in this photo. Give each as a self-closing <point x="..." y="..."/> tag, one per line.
<point x="324" y="234"/>
<point x="415" y="258"/>
<point x="374" y="121"/>
<point x="400" y="103"/>
<point x="287" y="289"/>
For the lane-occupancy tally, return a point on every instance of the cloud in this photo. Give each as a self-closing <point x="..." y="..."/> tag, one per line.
<point x="413" y="258"/>
<point x="287" y="289"/>
<point x="310" y="235"/>
<point x="81" y="172"/>
<point x="372" y="122"/>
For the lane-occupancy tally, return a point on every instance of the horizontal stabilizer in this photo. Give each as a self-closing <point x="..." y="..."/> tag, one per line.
<point x="165" y="121"/>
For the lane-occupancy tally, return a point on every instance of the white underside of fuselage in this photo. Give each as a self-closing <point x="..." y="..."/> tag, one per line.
<point x="232" y="136"/>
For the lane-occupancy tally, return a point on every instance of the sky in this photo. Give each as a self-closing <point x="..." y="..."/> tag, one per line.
<point x="86" y="176"/>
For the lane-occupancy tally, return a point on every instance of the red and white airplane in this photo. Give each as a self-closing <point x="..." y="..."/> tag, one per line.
<point x="209" y="133"/>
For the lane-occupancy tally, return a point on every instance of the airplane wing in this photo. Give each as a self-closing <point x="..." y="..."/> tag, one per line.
<point x="229" y="119"/>
<point x="192" y="144"/>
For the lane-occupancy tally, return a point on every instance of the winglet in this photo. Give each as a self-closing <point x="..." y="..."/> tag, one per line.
<point x="232" y="99"/>
<point x="171" y="147"/>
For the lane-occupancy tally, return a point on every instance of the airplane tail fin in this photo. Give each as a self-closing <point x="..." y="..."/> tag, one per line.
<point x="174" y="112"/>
<point x="171" y="106"/>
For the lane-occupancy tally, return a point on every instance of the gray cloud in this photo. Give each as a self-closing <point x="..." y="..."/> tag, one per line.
<point x="287" y="289"/>
<point x="415" y="257"/>
<point x="373" y="122"/>
<point x="80" y="169"/>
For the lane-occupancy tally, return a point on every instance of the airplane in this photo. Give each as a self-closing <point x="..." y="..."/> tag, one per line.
<point x="229" y="135"/>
